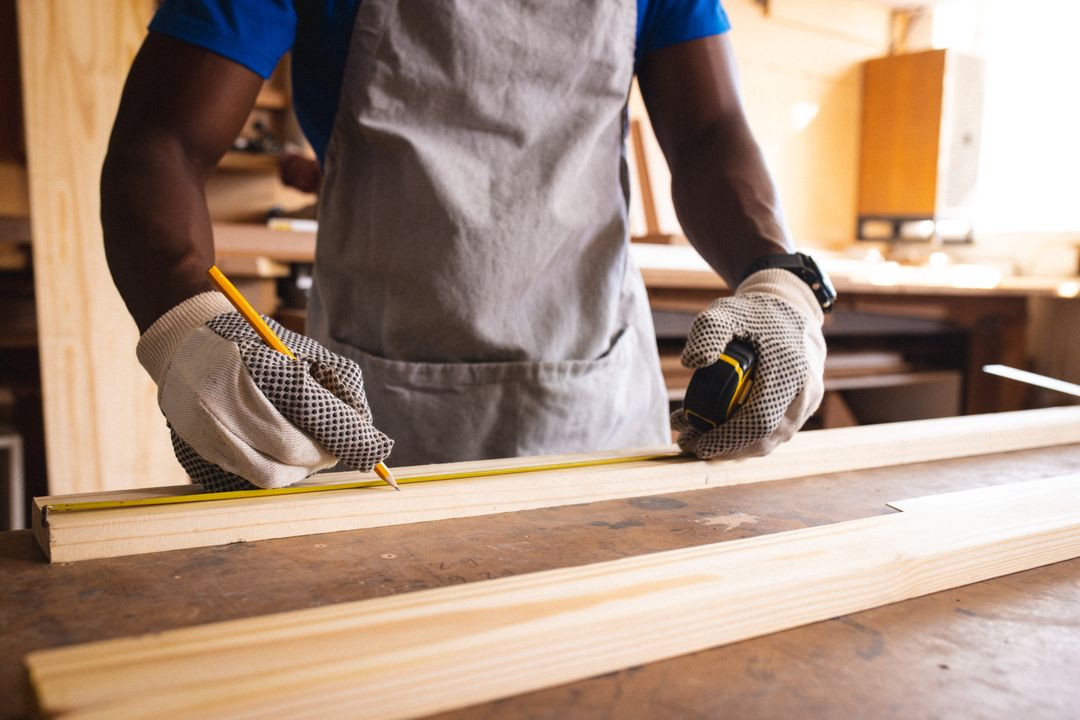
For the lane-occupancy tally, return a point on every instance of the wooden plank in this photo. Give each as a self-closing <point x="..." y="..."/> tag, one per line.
<point x="899" y="379"/>
<point x="247" y="239"/>
<point x="419" y="653"/>
<point x="131" y="531"/>
<point x="267" y="577"/>
<point x="957" y="500"/>
<point x="653" y="180"/>
<point x="252" y="266"/>
<point x="644" y="183"/>
<point x="244" y="187"/>
<point x="103" y="429"/>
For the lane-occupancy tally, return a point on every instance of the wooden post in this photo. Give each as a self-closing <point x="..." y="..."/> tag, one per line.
<point x="102" y="426"/>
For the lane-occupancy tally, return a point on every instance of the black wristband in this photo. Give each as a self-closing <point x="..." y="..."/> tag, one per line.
<point x="804" y="267"/>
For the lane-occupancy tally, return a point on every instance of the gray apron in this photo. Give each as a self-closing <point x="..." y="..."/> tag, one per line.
<point x="472" y="250"/>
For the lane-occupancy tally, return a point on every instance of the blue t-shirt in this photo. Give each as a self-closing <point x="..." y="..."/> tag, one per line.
<point x="256" y="33"/>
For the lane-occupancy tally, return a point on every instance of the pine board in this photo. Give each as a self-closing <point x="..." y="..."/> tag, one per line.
<point x="131" y="531"/>
<point x="103" y="429"/>
<point x="414" y="654"/>
<point x="958" y="499"/>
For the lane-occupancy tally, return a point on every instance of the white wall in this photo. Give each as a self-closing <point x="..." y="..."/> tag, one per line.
<point x="1028" y="204"/>
<point x="800" y="75"/>
<point x="1030" y="173"/>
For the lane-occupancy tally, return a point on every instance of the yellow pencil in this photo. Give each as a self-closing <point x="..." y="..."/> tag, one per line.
<point x="244" y="308"/>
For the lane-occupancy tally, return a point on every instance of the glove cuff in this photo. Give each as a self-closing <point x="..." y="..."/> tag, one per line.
<point x="159" y="342"/>
<point x="788" y="287"/>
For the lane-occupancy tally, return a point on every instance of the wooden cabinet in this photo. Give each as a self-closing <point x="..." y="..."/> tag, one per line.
<point x="919" y="148"/>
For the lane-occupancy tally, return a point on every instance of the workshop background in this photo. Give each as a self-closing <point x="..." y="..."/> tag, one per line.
<point x="926" y="154"/>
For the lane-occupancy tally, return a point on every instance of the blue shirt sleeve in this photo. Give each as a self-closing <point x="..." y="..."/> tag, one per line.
<point x="254" y="33"/>
<point x="662" y="23"/>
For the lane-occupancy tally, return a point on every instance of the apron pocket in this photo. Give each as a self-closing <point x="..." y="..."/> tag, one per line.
<point x="447" y="412"/>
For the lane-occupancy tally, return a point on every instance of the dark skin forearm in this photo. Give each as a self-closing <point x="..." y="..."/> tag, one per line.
<point x="181" y="109"/>
<point x="722" y="190"/>
<point x="183" y="106"/>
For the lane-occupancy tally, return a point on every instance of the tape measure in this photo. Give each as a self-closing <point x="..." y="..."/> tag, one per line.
<point x="714" y="394"/>
<point x="359" y="484"/>
<point x="718" y="390"/>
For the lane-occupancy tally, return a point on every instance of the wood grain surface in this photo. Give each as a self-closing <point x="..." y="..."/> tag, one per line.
<point x="414" y="654"/>
<point x="1000" y="648"/>
<point x="103" y="429"/>
<point x="124" y="531"/>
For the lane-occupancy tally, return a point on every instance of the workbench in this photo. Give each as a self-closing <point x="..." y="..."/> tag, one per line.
<point x="1001" y="648"/>
<point x="977" y="324"/>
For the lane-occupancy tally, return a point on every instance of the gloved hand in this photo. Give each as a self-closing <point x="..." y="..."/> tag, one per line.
<point x="778" y="314"/>
<point x="243" y="415"/>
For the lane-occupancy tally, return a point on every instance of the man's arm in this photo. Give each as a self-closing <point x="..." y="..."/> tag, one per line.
<point x="723" y="194"/>
<point x="181" y="109"/>
<point x="728" y="207"/>
<point x="235" y="422"/>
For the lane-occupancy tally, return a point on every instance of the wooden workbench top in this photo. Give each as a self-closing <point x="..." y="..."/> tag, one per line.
<point x="679" y="266"/>
<point x="1003" y="647"/>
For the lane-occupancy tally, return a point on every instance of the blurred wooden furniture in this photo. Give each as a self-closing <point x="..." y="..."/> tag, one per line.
<point x="919" y="146"/>
<point x="11" y="445"/>
<point x="954" y="329"/>
<point x="964" y="327"/>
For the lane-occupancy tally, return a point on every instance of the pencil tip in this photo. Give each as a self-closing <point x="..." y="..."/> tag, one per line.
<point x="384" y="472"/>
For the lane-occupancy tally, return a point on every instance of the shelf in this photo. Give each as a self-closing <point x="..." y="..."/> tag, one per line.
<point x="271" y="98"/>
<point x="248" y="162"/>
<point x="14" y="230"/>
<point x="240" y="239"/>
<point x="14" y="189"/>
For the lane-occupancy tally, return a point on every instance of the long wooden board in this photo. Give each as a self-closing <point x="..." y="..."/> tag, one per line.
<point x="425" y="652"/>
<point x="130" y="531"/>
<point x="103" y="428"/>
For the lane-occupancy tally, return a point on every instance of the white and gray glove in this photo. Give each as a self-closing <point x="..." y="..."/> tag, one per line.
<point x="243" y="415"/>
<point x="778" y="314"/>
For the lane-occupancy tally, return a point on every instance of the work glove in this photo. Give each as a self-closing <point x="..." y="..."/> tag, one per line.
<point x="778" y="314"/>
<point x="243" y="415"/>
